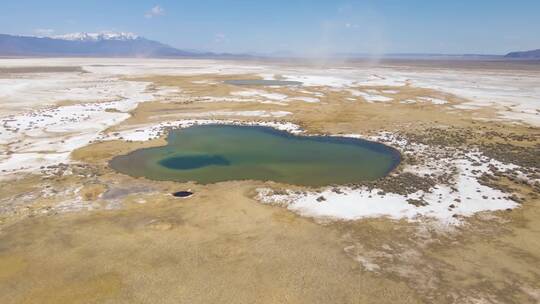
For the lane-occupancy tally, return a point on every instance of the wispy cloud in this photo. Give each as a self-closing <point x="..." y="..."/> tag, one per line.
<point x="44" y="32"/>
<point x="155" y="11"/>
<point x="220" y="38"/>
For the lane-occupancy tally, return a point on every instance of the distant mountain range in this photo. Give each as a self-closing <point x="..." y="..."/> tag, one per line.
<point x="125" y="44"/>
<point x="122" y="36"/>
<point x="534" y="54"/>
<point x="104" y="44"/>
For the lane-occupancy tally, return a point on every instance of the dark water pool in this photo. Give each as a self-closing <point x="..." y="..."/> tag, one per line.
<point x="214" y="153"/>
<point x="182" y="194"/>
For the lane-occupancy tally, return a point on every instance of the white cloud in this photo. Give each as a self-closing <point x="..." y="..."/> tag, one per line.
<point x="220" y="38"/>
<point x="44" y="32"/>
<point x="155" y="12"/>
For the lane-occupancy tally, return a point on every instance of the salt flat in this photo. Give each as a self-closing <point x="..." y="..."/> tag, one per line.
<point x="513" y="93"/>
<point x="468" y="183"/>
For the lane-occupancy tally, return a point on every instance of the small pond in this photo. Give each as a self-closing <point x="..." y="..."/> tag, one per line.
<point x="214" y="153"/>
<point x="260" y="82"/>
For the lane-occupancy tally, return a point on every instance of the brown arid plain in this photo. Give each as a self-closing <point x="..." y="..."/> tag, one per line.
<point x="102" y="237"/>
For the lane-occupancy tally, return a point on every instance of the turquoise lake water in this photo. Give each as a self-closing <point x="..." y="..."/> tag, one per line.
<point x="214" y="153"/>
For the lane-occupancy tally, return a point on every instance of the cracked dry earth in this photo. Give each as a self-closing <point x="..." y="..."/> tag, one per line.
<point x="457" y="222"/>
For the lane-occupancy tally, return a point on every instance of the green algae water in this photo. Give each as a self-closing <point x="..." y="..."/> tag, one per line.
<point x="215" y="153"/>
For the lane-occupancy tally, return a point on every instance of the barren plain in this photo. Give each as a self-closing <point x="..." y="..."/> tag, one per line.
<point x="457" y="222"/>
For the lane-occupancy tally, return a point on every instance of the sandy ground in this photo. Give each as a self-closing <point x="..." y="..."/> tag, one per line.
<point x="457" y="222"/>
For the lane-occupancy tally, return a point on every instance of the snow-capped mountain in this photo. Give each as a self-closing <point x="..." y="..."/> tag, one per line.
<point x="104" y="44"/>
<point x="122" y="36"/>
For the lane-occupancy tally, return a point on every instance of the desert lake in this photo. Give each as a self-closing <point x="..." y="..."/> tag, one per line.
<point x="214" y="153"/>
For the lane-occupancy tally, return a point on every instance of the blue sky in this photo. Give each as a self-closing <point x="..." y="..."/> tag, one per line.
<point x="301" y="26"/>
